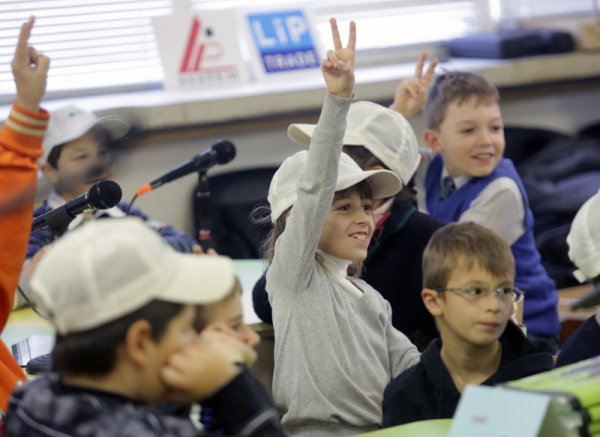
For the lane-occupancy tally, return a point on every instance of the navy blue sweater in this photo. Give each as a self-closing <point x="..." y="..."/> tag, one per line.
<point x="426" y="390"/>
<point x="540" y="313"/>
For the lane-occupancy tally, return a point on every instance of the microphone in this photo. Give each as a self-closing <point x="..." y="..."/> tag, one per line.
<point x="220" y="152"/>
<point x="102" y="195"/>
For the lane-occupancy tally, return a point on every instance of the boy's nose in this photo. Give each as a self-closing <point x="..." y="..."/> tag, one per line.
<point x="493" y="301"/>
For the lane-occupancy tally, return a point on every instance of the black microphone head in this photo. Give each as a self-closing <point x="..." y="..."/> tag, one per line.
<point x="104" y="194"/>
<point x="224" y="151"/>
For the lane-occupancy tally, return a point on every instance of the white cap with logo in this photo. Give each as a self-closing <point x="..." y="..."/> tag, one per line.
<point x="382" y="131"/>
<point x="69" y="123"/>
<point x="109" y="268"/>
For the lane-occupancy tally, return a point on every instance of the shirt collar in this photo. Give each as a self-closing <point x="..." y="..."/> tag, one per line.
<point x="458" y="181"/>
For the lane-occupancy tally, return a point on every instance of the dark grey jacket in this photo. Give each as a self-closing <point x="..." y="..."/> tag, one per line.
<point x="47" y="407"/>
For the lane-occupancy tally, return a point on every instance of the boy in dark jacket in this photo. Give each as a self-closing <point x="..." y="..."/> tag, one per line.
<point x="123" y="305"/>
<point x="468" y="280"/>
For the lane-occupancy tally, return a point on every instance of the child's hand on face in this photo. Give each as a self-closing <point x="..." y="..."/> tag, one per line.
<point x="411" y="93"/>
<point x="199" y="370"/>
<point x="30" y="70"/>
<point x="338" y="68"/>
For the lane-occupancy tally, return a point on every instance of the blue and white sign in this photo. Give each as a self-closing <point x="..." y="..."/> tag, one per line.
<point x="284" y="40"/>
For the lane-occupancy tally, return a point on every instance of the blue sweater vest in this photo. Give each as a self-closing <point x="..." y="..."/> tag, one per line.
<point x="540" y="313"/>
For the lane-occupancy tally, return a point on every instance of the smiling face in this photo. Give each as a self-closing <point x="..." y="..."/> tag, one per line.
<point x="470" y="137"/>
<point x="349" y="226"/>
<point x="82" y="162"/>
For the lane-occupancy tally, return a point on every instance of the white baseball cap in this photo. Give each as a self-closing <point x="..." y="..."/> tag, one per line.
<point x="584" y="239"/>
<point x="69" y="123"/>
<point x="109" y="268"/>
<point x="282" y="191"/>
<point x="382" y="131"/>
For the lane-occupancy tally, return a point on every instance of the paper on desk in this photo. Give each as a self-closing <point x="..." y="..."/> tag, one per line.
<point x="32" y="347"/>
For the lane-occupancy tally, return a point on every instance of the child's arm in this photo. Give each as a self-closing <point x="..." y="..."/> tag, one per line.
<point x="295" y="248"/>
<point x="403" y="354"/>
<point x="411" y="93"/>
<point x="499" y="207"/>
<point x="20" y="145"/>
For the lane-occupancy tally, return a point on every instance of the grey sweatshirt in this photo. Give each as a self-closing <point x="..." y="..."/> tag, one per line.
<point x="334" y="352"/>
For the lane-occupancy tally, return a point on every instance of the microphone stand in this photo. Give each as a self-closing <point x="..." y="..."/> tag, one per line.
<point x="203" y="205"/>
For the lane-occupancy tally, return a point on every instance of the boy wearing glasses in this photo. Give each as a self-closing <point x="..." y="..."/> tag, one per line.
<point x="468" y="287"/>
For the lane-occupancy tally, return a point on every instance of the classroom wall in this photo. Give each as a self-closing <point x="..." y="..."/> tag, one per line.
<point x="564" y="107"/>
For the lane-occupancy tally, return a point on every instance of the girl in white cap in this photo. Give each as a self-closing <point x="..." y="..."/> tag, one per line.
<point x="335" y="347"/>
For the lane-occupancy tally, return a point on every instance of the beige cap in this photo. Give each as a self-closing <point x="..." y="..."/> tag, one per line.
<point x="109" y="268"/>
<point x="382" y="131"/>
<point x="584" y="239"/>
<point x="282" y="191"/>
<point x="69" y="123"/>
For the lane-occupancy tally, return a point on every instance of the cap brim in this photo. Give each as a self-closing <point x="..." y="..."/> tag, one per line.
<point x="301" y="133"/>
<point x="383" y="183"/>
<point x="199" y="280"/>
<point x="116" y="127"/>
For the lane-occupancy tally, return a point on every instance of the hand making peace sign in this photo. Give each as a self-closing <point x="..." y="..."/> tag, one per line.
<point x="411" y="93"/>
<point x="338" y="68"/>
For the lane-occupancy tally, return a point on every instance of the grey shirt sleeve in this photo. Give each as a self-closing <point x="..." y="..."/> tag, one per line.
<point x="295" y="248"/>
<point x="499" y="207"/>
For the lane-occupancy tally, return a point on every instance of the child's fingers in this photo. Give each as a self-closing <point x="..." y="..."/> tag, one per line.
<point x="420" y="64"/>
<point x="352" y="36"/>
<point x="24" y="35"/>
<point x="335" y="33"/>
<point x="430" y="70"/>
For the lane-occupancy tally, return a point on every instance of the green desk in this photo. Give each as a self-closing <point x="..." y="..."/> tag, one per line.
<point x="426" y="428"/>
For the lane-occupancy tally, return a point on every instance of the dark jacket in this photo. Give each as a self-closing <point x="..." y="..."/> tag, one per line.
<point x="392" y="267"/>
<point x="47" y="407"/>
<point x="582" y="344"/>
<point x="426" y="390"/>
<point x="179" y="240"/>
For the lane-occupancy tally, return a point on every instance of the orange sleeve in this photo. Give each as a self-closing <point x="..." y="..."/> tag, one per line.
<point x="21" y="139"/>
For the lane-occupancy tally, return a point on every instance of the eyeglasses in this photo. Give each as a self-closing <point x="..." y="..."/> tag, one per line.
<point x="478" y="293"/>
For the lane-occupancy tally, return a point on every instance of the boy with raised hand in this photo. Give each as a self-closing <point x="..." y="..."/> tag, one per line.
<point x="469" y="180"/>
<point x="123" y="304"/>
<point x="584" y="251"/>
<point x="20" y="145"/>
<point x="468" y="287"/>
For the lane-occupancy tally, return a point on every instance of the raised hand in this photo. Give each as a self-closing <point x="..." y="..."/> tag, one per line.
<point x="338" y="68"/>
<point x="411" y="93"/>
<point x="30" y="70"/>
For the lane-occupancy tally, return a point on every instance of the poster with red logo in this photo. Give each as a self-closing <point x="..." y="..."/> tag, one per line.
<point x="200" y="49"/>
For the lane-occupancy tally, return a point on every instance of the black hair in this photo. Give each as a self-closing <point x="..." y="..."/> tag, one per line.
<point x="94" y="351"/>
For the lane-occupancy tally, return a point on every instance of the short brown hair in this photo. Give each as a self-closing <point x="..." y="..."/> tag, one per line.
<point x="465" y="245"/>
<point x="456" y="86"/>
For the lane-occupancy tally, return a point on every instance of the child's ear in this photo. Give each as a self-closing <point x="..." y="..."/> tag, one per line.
<point x="50" y="173"/>
<point x="431" y="300"/>
<point x="139" y="342"/>
<point x="432" y="139"/>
